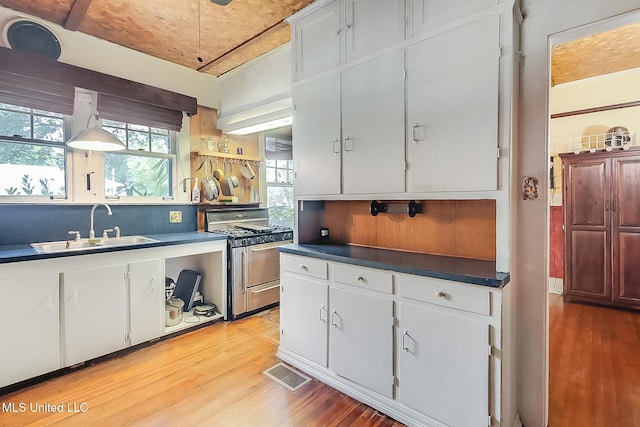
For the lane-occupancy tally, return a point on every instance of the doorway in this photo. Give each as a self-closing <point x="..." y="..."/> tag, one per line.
<point x="593" y="78"/>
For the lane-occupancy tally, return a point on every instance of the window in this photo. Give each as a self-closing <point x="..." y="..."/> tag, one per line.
<point x="32" y="152"/>
<point x="145" y="168"/>
<point x="280" y="191"/>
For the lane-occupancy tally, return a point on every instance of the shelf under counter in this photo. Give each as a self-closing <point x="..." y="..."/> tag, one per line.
<point x="472" y="271"/>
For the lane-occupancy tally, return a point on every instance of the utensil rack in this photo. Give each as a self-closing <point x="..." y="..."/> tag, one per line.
<point x="410" y="208"/>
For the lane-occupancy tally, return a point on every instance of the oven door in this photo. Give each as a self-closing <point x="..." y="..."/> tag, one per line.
<point x="263" y="263"/>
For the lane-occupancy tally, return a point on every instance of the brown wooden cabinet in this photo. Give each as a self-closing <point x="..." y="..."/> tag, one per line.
<point x="602" y="227"/>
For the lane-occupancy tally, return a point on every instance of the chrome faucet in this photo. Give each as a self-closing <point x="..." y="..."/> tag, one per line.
<point x="92" y="234"/>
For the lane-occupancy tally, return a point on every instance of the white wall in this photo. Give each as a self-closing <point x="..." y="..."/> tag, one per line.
<point x="543" y="18"/>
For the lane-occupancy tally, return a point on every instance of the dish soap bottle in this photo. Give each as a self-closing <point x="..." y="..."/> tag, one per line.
<point x="195" y="193"/>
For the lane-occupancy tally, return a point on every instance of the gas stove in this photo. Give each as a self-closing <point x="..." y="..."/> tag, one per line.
<point x="246" y="227"/>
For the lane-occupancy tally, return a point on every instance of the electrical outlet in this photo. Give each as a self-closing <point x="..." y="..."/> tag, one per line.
<point x="175" y="216"/>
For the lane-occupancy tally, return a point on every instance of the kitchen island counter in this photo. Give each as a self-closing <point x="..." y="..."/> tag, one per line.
<point x="16" y="253"/>
<point x="472" y="271"/>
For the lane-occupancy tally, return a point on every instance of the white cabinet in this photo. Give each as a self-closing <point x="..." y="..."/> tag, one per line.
<point x="373" y="126"/>
<point x="31" y="338"/>
<point x="429" y="15"/>
<point x="146" y="301"/>
<point x="316" y="130"/>
<point x="351" y="140"/>
<point x="317" y="46"/>
<point x="361" y="338"/>
<point x="371" y="26"/>
<point x="93" y="313"/>
<point x="351" y="324"/>
<point x="342" y="31"/>
<point x="428" y="351"/>
<point x="452" y="99"/>
<point x="449" y="352"/>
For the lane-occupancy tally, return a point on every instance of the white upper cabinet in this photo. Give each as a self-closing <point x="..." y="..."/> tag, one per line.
<point x="373" y="126"/>
<point x="427" y="15"/>
<point x="452" y="102"/>
<point x="372" y="25"/>
<point x="316" y="130"/>
<point x="317" y="41"/>
<point x="344" y="30"/>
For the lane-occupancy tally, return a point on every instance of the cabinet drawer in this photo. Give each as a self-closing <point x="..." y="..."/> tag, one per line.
<point x="305" y="266"/>
<point x="369" y="278"/>
<point x="475" y="299"/>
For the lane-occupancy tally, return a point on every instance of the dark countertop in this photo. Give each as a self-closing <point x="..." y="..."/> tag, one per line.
<point x="18" y="253"/>
<point x="477" y="272"/>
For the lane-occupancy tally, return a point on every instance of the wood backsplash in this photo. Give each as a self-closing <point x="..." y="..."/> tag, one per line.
<point x="460" y="228"/>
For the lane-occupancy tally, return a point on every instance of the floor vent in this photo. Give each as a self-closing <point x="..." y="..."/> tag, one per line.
<point x="286" y="376"/>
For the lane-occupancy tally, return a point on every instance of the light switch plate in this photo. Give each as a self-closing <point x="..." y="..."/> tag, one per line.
<point x="175" y="216"/>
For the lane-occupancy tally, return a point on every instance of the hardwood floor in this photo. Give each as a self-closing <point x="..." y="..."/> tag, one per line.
<point x="594" y="366"/>
<point x="209" y="377"/>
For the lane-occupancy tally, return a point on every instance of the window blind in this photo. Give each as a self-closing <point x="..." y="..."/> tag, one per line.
<point x="25" y="91"/>
<point x="130" y="111"/>
<point x="277" y="148"/>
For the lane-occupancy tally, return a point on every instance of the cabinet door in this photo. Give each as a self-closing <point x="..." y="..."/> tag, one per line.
<point x="304" y="311"/>
<point x="452" y="101"/>
<point x="316" y="130"/>
<point x="587" y="223"/>
<point x="625" y="209"/>
<point x="146" y="295"/>
<point x="31" y="338"/>
<point x="443" y="364"/>
<point x="373" y="126"/>
<point x="372" y="25"/>
<point x="427" y="15"/>
<point x="361" y="339"/>
<point x="94" y="313"/>
<point x="317" y="41"/>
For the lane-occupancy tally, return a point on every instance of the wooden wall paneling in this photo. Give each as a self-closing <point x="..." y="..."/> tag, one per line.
<point x="463" y="228"/>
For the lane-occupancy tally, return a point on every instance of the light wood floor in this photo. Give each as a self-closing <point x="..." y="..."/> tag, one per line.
<point x="209" y="377"/>
<point x="594" y="366"/>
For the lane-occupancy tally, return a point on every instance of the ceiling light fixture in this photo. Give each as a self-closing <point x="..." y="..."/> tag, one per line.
<point x="95" y="138"/>
<point x="221" y="2"/>
<point x="199" y="55"/>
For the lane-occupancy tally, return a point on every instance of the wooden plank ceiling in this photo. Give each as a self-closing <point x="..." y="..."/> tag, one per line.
<point x="178" y="31"/>
<point x="595" y="55"/>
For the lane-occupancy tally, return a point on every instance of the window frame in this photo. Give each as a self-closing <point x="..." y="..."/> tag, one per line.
<point x="172" y="156"/>
<point x="67" y="124"/>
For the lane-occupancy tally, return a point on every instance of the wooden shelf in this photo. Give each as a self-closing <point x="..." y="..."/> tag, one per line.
<point x="228" y="156"/>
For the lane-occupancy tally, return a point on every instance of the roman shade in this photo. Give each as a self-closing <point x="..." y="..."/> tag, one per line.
<point x="130" y="111"/>
<point x="25" y="91"/>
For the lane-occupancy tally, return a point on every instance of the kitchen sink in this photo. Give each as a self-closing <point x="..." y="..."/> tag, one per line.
<point x="85" y="244"/>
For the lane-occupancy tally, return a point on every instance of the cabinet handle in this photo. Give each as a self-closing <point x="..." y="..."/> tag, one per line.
<point x="418" y="132"/>
<point x="323" y="319"/>
<point x="304" y="267"/>
<point x="360" y="279"/>
<point x="404" y="335"/>
<point x="75" y="299"/>
<point x="348" y="144"/>
<point x="333" y="323"/>
<point x="613" y="205"/>
<point x="336" y="146"/>
<point x="153" y="283"/>
<point x="442" y="294"/>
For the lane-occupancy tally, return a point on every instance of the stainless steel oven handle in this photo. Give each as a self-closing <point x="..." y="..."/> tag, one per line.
<point x="265" y="289"/>
<point x="244" y="266"/>
<point x="267" y="246"/>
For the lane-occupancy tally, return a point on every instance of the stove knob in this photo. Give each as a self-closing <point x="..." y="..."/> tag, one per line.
<point x="288" y="236"/>
<point x="270" y="239"/>
<point x="260" y="239"/>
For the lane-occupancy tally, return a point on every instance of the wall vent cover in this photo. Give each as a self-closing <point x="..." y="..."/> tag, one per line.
<point x="29" y="36"/>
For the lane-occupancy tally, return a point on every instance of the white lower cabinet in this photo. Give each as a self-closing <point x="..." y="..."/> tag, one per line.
<point x="361" y="339"/>
<point x="31" y="337"/>
<point x="94" y="312"/>
<point x="425" y="351"/>
<point x="146" y="301"/>
<point x="443" y="366"/>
